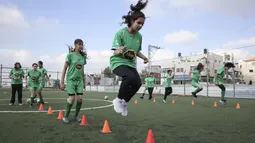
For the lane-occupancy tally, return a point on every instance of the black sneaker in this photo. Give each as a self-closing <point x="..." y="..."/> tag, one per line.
<point x="193" y="94"/>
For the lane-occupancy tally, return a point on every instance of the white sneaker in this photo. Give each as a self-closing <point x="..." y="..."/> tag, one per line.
<point x="164" y="100"/>
<point x="117" y="104"/>
<point x="125" y="108"/>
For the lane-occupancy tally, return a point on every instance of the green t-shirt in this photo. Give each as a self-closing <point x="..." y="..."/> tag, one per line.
<point x="76" y="66"/>
<point x="17" y="76"/>
<point x="195" y="76"/>
<point x="168" y="80"/>
<point x="43" y="71"/>
<point x="34" y="78"/>
<point x="221" y="73"/>
<point x="150" y="82"/>
<point x="132" y="42"/>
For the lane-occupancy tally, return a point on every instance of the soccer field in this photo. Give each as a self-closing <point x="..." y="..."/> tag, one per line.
<point x="181" y="122"/>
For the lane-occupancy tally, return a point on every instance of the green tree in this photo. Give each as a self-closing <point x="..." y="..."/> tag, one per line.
<point x="108" y="73"/>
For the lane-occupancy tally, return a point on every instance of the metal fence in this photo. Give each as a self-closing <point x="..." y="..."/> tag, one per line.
<point x="105" y="85"/>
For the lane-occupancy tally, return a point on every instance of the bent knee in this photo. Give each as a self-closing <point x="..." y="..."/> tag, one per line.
<point x="79" y="98"/>
<point x="70" y="99"/>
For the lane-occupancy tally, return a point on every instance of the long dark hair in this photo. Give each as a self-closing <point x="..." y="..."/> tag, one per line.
<point x="229" y="65"/>
<point x="15" y="65"/>
<point x="83" y="52"/>
<point x="200" y="66"/>
<point x="135" y="13"/>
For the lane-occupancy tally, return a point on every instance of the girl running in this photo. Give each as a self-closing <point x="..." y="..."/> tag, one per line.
<point x="168" y="84"/>
<point x="218" y="79"/>
<point x="195" y="79"/>
<point x="150" y="83"/>
<point x="33" y="83"/>
<point x="127" y="46"/>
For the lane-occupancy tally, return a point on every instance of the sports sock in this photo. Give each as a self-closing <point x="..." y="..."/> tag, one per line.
<point x="222" y="95"/>
<point x="41" y="98"/>
<point x="197" y="90"/>
<point x="68" y="109"/>
<point x="78" y="107"/>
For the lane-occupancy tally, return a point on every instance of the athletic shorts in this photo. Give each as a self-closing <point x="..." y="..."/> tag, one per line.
<point x="195" y="84"/>
<point x="32" y="88"/>
<point x="74" y="87"/>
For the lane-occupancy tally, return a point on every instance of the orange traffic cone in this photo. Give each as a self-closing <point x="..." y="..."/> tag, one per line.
<point x="49" y="110"/>
<point x="173" y="101"/>
<point x="238" y="106"/>
<point x="136" y="102"/>
<point x="215" y="104"/>
<point x="106" y="128"/>
<point x="150" y="137"/>
<point x="60" y="115"/>
<point x="41" y="107"/>
<point x="84" y="121"/>
<point x="154" y="100"/>
<point x="192" y="102"/>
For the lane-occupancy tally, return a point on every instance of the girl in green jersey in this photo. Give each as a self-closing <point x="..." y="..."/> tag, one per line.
<point x="195" y="79"/>
<point x="218" y="79"/>
<point x="16" y="75"/>
<point x="75" y="78"/>
<point x="127" y="46"/>
<point x="33" y="83"/>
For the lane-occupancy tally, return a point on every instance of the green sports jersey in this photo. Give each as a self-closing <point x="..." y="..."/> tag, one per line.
<point x="17" y="76"/>
<point x="76" y="66"/>
<point x="43" y="71"/>
<point x="132" y="42"/>
<point x="221" y="73"/>
<point x="168" y="80"/>
<point x="150" y="82"/>
<point x="195" y="76"/>
<point x="34" y="78"/>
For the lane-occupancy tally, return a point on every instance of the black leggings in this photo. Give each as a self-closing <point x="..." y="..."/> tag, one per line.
<point x="168" y="91"/>
<point x="130" y="84"/>
<point x="222" y="87"/>
<point x="18" y="88"/>
<point x="150" y="90"/>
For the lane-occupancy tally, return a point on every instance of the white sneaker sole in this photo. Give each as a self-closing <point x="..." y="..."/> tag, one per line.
<point x="115" y="106"/>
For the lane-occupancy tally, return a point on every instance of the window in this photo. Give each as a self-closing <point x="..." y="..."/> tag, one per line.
<point x="240" y="66"/>
<point x="250" y="71"/>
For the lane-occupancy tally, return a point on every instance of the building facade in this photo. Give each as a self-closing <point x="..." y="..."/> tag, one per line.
<point x="247" y="69"/>
<point x="182" y="66"/>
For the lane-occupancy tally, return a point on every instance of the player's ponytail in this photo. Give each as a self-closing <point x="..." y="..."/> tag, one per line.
<point x="135" y="13"/>
<point x="200" y="66"/>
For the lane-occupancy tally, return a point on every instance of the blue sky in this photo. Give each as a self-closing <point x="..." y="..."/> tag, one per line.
<point x="97" y="23"/>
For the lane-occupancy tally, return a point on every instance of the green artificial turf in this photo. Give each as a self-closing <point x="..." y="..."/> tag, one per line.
<point x="171" y="123"/>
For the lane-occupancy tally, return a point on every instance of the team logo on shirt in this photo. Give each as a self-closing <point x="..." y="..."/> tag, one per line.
<point x="78" y="66"/>
<point x="34" y="78"/>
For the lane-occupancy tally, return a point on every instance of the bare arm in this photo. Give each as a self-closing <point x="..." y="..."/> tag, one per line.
<point x="140" y="55"/>
<point x="84" y="79"/>
<point x="47" y="77"/>
<point x="216" y="77"/>
<point x="119" y="51"/>
<point x="26" y="79"/>
<point x="64" y="73"/>
<point x="10" y="75"/>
